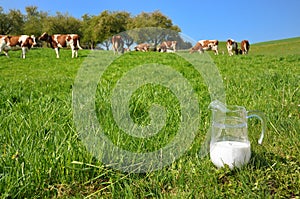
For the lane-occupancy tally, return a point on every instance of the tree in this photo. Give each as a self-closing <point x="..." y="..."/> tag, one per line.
<point x="87" y="31"/>
<point x="4" y="23"/>
<point x="92" y="29"/>
<point x="108" y="24"/>
<point x="12" y="22"/>
<point x="62" y="24"/>
<point x="16" y="19"/>
<point x="34" y="20"/>
<point x="121" y="21"/>
<point x="152" y="28"/>
<point x="128" y="40"/>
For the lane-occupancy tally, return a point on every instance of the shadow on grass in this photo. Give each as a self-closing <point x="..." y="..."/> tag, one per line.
<point x="265" y="160"/>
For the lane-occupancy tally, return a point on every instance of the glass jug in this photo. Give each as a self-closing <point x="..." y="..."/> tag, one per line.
<point x="229" y="143"/>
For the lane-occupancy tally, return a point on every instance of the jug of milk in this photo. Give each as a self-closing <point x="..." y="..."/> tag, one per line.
<point x="229" y="143"/>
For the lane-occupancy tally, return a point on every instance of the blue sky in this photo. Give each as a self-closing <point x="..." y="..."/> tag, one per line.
<point x="255" y="20"/>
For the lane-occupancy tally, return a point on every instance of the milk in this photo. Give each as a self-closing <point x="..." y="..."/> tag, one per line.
<point x="231" y="153"/>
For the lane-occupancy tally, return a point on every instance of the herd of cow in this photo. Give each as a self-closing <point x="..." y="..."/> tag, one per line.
<point x="58" y="41"/>
<point x="231" y="45"/>
<point x="201" y="46"/>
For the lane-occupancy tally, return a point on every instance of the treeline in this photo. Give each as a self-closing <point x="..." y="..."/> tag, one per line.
<point x="93" y="29"/>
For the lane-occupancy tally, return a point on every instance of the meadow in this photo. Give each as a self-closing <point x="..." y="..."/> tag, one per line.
<point x="43" y="156"/>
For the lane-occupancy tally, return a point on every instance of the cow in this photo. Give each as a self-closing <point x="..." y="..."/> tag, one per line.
<point x="58" y="41"/>
<point x="142" y="47"/>
<point x="245" y="46"/>
<point x="24" y="41"/>
<point x="232" y="46"/>
<point x="167" y="46"/>
<point x="205" y="45"/>
<point x="3" y="44"/>
<point x="117" y="44"/>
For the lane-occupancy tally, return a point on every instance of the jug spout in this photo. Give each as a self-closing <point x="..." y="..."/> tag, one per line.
<point x="218" y="106"/>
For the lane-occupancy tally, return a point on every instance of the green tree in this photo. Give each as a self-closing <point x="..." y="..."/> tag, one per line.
<point x="4" y="22"/>
<point x="108" y="24"/>
<point x="11" y="22"/>
<point x="62" y="24"/>
<point x="121" y="21"/>
<point x="87" y="31"/>
<point x="16" y="19"/>
<point x="34" y="21"/>
<point x="153" y="28"/>
<point x="128" y="40"/>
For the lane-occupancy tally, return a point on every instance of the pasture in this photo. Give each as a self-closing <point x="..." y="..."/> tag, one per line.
<point x="42" y="156"/>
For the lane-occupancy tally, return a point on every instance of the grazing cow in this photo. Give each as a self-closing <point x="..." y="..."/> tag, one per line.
<point x="204" y="45"/>
<point x="58" y="41"/>
<point x="3" y="44"/>
<point x="167" y="46"/>
<point x="232" y="46"/>
<point x="245" y="46"/>
<point x="142" y="47"/>
<point x="24" y="41"/>
<point x="117" y="44"/>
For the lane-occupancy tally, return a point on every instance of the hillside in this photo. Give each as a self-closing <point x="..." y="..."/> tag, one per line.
<point x="47" y="152"/>
<point x="290" y="46"/>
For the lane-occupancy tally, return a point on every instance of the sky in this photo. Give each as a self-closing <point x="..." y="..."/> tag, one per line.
<point x="255" y="20"/>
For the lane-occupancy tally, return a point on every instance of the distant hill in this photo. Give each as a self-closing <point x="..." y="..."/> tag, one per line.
<point x="277" y="47"/>
<point x="288" y="46"/>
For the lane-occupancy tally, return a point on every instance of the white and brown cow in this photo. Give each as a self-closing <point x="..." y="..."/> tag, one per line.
<point x="205" y="45"/>
<point x="232" y="46"/>
<point x="3" y="44"/>
<point x="24" y="41"/>
<point x="144" y="47"/>
<point x="167" y="46"/>
<point x="245" y="46"/>
<point x="58" y="41"/>
<point x="117" y="44"/>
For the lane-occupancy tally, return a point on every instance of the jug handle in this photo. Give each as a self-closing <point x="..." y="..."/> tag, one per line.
<point x="262" y="118"/>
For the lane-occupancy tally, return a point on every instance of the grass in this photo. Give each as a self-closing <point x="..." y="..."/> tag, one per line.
<point x="42" y="156"/>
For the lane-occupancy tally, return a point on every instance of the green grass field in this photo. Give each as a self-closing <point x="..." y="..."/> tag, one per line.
<point x="42" y="155"/>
